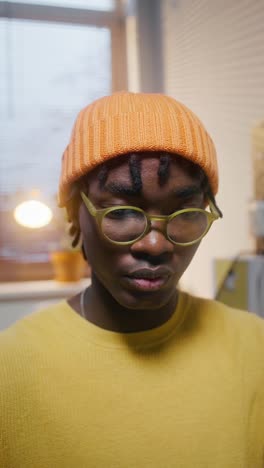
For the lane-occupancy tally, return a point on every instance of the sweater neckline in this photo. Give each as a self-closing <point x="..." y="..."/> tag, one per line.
<point x="72" y="322"/>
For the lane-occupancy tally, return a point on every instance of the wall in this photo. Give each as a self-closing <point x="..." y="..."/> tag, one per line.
<point x="22" y="298"/>
<point x="214" y="63"/>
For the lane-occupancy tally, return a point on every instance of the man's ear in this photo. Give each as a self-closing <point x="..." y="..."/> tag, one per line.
<point x="83" y="252"/>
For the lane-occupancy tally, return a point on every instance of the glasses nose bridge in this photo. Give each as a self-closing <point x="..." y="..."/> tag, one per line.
<point x="157" y="218"/>
<point x="155" y="239"/>
<point x="157" y="223"/>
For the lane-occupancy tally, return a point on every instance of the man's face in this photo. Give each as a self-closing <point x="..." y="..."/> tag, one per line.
<point x="142" y="275"/>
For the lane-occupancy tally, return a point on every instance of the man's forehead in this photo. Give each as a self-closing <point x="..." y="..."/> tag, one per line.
<point x="117" y="168"/>
<point x="121" y="163"/>
<point x="116" y="177"/>
<point x="147" y="162"/>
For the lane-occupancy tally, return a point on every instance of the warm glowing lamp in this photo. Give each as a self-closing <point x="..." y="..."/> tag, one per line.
<point x="33" y="214"/>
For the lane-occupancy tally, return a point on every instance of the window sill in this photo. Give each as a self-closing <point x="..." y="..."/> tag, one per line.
<point x="27" y="290"/>
<point x="15" y="272"/>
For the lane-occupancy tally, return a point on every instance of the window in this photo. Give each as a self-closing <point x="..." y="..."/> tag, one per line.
<point x="104" y="5"/>
<point x="49" y="71"/>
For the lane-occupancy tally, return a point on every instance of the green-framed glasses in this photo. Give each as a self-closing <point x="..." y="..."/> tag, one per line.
<point x="124" y="225"/>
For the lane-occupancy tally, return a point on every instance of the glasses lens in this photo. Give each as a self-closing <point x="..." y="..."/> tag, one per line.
<point x="123" y="224"/>
<point x="187" y="227"/>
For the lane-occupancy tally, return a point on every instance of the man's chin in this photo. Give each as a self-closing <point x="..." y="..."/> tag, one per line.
<point x="148" y="301"/>
<point x="133" y="298"/>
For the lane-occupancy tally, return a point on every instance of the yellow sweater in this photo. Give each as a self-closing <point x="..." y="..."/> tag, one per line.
<point x="188" y="394"/>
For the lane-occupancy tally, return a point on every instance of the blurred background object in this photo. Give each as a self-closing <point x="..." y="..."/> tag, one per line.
<point x="257" y="206"/>
<point x="240" y="282"/>
<point x="33" y="214"/>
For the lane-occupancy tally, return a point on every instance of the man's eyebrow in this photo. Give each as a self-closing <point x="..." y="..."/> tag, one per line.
<point x="117" y="188"/>
<point x="187" y="191"/>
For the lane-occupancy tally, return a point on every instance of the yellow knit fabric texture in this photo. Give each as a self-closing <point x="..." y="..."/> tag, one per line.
<point x="188" y="394"/>
<point x="130" y="122"/>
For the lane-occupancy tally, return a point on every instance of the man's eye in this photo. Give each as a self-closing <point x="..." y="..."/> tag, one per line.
<point x="123" y="214"/>
<point x="191" y="214"/>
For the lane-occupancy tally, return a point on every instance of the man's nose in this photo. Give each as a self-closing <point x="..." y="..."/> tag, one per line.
<point x="154" y="243"/>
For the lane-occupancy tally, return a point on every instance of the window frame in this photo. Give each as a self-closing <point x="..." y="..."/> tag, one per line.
<point x="115" y="21"/>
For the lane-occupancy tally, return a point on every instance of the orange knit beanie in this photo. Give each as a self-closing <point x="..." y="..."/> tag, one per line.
<point x="130" y="122"/>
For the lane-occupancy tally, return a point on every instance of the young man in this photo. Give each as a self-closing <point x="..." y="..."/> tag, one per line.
<point x="132" y="372"/>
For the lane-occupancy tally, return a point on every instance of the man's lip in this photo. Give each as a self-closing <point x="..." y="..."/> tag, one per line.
<point x="146" y="284"/>
<point x="150" y="273"/>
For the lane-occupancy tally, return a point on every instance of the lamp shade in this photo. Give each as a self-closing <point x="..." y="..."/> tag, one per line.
<point x="33" y="214"/>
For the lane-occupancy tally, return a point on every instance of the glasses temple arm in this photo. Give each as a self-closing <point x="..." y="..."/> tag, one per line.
<point x="89" y="204"/>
